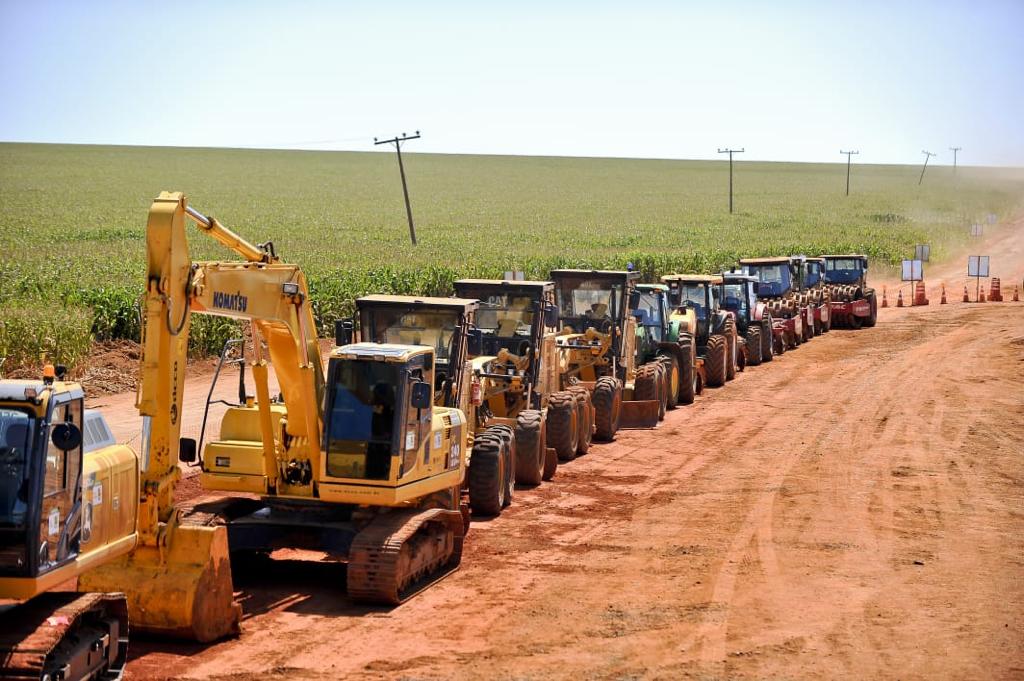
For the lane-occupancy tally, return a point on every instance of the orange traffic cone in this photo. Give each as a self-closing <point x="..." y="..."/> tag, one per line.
<point x="919" y="294"/>
<point x="981" y="296"/>
<point x="995" y="291"/>
<point x="899" y="299"/>
<point x="885" y="302"/>
<point x="966" y="298"/>
<point x="1016" y="298"/>
<point x="943" y="301"/>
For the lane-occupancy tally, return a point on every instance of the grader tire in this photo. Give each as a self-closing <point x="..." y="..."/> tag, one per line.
<point x="753" y="346"/>
<point x="872" y="318"/>
<point x="585" y="417"/>
<point x="607" y="408"/>
<point x="563" y="425"/>
<point x="688" y="374"/>
<point x="507" y="435"/>
<point x="550" y="463"/>
<point x="487" y="476"/>
<point x="531" y="447"/>
<point x="731" y="349"/>
<point x="672" y="377"/>
<point x="716" y="359"/>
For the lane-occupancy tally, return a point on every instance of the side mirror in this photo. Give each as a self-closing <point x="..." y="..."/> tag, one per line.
<point x="634" y="299"/>
<point x="551" y="315"/>
<point x="475" y="342"/>
<point x="186" y="450"/>
<point x="422" y="395"/>
<point x="344" y="330"/>
<point x="66" y="436"/>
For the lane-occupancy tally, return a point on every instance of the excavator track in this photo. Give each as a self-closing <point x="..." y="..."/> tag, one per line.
<point x="65" y="635"/>
<point x="401" y="553"/>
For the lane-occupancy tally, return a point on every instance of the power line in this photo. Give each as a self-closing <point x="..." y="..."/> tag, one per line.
<point x="848" y="155"/>
<point x="397" y="141"/>
<point x="730" y="152"/>
<point x="927" y="156"/>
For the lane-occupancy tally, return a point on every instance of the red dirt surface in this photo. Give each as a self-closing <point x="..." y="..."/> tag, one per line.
<point x="851" y="510"/>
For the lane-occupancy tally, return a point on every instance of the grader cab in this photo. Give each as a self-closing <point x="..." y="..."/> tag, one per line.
<point x="597" y="349"/>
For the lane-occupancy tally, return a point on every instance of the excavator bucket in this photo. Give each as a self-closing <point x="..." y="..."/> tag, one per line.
<point x="183" y="590"/>
<point x="637" y="414"/>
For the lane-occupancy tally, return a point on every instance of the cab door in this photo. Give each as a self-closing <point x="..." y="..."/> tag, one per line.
<point x="60" y="522"/>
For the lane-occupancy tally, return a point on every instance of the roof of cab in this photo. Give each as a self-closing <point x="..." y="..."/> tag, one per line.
<point x="511" y="284"/>
<point x="424" y="302"/>
<point x="387" y="352"/>
<point x="630" y="275"/>
<point x="738" y="276"/>
<point x="694" y="278"/>
<point x="652" y="287"/>
<point x="849" y="255"/>
<point x="765" y="261"/>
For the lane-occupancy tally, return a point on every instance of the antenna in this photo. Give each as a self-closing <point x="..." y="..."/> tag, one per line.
<point x="730" y="152"/>
<point x="397" y="141"/>
<point x="848" y="155"/>
<point x="954" y="150"/>
<point x="927" y="156"/>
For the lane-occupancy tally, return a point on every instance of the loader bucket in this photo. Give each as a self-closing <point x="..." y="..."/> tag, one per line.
<point x="184" y="591"/>
<point x="638" y="414"/>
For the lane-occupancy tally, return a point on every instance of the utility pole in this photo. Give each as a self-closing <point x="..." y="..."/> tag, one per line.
<point x="954" y="150"/>
<point x="397" y="141"/>
<point x="730" y="152"/>
<point x="927" y="155"/>
<point x="848" y="155"/>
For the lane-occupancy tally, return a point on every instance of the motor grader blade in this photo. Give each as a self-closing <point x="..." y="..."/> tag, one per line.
<point x="639" y="414"/>
<point x="182" y="590"/>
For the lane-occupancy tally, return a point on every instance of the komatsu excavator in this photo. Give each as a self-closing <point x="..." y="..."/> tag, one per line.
<point x="362" y="467"/>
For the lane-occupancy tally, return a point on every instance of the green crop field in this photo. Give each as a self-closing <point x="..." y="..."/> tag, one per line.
<point x="73" y="222"/>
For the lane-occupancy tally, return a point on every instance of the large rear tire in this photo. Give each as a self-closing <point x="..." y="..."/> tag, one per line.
<point x="688" y="374"/>
<point x="767" y="342"/>
<point x="531" y="448"/>
<point x="714" y="363"/>
<point x="607" y="408"/>
<point x="732" y="349"/>
<point x="753" y="346"/>
<point x="672" y="377"/>
<point x="563" y="426"/>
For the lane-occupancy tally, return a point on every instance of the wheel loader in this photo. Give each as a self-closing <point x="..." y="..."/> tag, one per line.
<point x="753" y="319"/>
<point x="518" y="359"/>
<point x="788" y="308"/>
<point x="596" y="349"/>
<point x="853" y="302"/>
<point x="360" y="466"/>
<point x="461" y="381"/>
<point x="697" y="302"/>
<point x="69" y="501"/>
<point x="662" y="336"/>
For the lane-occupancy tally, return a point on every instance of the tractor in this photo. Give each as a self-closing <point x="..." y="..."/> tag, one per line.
<point x="753" y="320"/>
<point x="597" y="350"/>
<point x="853" y="302"/>
<point x="697" y="302"/>
<point x="776" y="285"/>
<point x="661" y="337"/>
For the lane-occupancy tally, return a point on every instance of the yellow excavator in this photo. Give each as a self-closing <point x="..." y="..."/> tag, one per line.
<point x="361" y="466"/>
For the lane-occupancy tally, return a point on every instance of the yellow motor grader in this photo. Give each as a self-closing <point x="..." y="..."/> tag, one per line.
<point x="597" y="350"/>
<point x="360" y="466"/>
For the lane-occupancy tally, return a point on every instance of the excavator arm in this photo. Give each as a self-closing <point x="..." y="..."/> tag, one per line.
<point x="178" y="581"/>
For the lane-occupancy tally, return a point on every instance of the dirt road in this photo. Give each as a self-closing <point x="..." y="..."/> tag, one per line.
<point x="853" y="509"/>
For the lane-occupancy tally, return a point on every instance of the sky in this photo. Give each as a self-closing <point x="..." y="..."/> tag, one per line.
<point x="786" y="81"/>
